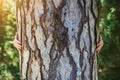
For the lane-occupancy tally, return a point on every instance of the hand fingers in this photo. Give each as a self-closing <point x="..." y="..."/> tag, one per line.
<point x="98" y="50"/>
<point x="99" y="46"/>
<point x="18" y="42"/>
<point x="18" y="46"/>
<point x="100" y="43"/>
<point x="16" y="36"/>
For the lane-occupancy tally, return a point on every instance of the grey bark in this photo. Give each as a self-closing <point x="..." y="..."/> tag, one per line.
<point x="58" y="39"/>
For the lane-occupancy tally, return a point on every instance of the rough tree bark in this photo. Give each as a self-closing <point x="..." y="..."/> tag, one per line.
<point x="58" y="39"/>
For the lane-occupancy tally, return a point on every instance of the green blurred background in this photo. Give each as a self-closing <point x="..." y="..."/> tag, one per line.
<point x="109" y="57"/>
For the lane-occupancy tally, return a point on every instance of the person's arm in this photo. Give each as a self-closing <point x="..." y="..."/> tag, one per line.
<point x="17" y="43"/>
<point x="99" y="44"/>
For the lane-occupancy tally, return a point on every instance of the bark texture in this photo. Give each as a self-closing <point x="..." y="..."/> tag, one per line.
<point x="58" y="39"/>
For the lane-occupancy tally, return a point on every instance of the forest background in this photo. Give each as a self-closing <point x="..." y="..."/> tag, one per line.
<point x="109" y="57"/>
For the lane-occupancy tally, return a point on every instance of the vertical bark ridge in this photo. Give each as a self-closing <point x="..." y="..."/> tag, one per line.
<point x="81" y="23"/>
<point x="95" y="12"/>
<point x="49" y="16"/>
<point x="90" y="58"/>
<point x="90" y="50"/>
<point x="18" y="15"/>
<point x="23" y="19"/>
<point x="96" y="19"/>
<point x="28" y="63"/>
<point x="37" y="52"/>
<point x="52" y="69"/>
<point x="85" y="52"/>
<point x="43" y="20"/>
<point x="21" y="34"/>
<point x="73" y="74"/>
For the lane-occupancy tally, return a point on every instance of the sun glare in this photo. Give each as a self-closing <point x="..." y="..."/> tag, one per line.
<point x="7" y="8"/>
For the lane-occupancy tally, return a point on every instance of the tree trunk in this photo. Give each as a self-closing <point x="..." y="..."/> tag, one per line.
<point x="58" y="39"/>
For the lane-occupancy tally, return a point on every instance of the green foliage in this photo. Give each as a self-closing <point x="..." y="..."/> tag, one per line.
<point x="9" y="67"/>
<point x="109" y="60"/>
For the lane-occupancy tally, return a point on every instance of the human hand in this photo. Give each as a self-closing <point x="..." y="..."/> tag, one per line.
<point x="17" y="43"/>
<point x="99" y="44"/>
